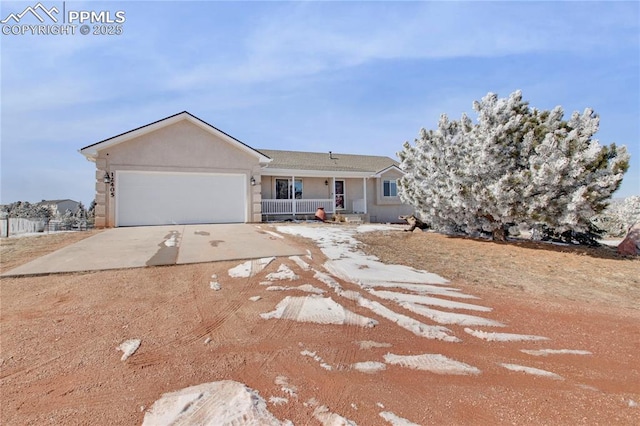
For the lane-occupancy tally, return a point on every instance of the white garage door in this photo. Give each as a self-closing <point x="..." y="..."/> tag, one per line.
<point x="159" y="198"/>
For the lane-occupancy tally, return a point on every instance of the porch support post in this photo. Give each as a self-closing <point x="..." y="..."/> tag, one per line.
<point x="293" y="195"/>
<point x="364" y="191"/>
<point x="333" y="195"/>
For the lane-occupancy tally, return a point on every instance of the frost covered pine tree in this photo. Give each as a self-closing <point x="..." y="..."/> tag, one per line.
<point x="515" y="165"/>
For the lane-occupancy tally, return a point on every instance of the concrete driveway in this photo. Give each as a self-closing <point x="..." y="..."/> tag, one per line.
<point x="160" y="245"/>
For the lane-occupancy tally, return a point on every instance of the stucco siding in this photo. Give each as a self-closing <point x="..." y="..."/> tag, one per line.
<point x="179" y="147"/>
<point x="182" y="145"/>
<point x="383" y="209"/>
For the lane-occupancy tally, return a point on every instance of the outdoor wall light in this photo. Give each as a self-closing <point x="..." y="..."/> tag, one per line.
<point x="326" y="183"/>
<point x="253" y="181"/>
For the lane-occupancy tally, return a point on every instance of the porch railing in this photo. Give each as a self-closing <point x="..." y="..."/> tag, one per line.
<point x="305" y="206"/>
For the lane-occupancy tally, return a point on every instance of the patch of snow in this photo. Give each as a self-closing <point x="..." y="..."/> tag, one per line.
<point x="349" y="263"/>
<point x="320" y="310"/>
<point x="369" y="366"/>
<point x="503" y="337"/>
<point x="328" y="280"/>
<point x="364" y="270"/>
<point x="250" y="267"/>
<point x="312" y="402"/>
<point x="588" y="387"/>
<point x="427" y="300"/>
<point x="396" y="420"/>
<point x="351" y="295"/>
<point x="632" y="403"/>
<point x="531" y="370"/>
<point x="442" y="317"/>
<point x="317" y="358"/>
<point x="416" y="327"/>
<point x="38" y="234"/>
<point x="284" y="273"/>
<point x="434" y="363"/>
<point x="376" y="227"/>
<point x="408" y="323"/>
<point x="214" y="285"/>
<point x="277" y="400"/>
<point x="128" y="347"/>
<point x="255" y="298"/>
<point x="308" y="288"/>
<point x="285" y="387"/>
<point x="326" y="417"/>
<point x="309" y="256"/>
<point x="216" y="403"/>
<point x="425" y="289"/>
<point x="368" y="344"/>
<point x="545" y="352"/>
<point x="301" y="263"/>
<point x="171" y="242"/>
<point x="354" y="406"/>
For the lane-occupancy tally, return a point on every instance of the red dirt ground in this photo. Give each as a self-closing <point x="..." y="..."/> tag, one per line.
<point x="59" y="364"/>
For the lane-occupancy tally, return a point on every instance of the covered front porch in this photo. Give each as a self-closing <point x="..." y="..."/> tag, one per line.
<point x="304" y="195"/>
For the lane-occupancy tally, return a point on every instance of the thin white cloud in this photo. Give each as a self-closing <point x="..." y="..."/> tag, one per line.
<point x="314" y="69"/>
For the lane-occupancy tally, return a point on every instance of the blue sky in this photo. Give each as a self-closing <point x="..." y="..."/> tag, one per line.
<point x="355" y="77"/>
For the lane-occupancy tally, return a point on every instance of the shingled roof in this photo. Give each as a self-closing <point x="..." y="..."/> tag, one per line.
<point x="323" y="161"/>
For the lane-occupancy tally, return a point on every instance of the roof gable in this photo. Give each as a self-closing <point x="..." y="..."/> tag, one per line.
<point x="91" y="151"/>
<point x="393" y="167"/>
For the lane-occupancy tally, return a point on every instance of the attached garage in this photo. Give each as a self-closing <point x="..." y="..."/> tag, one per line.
<point x="161" y="198"/>
<point x="178" y="170"/>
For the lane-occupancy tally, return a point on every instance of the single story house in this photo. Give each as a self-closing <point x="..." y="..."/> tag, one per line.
<point x="182" y="170"/>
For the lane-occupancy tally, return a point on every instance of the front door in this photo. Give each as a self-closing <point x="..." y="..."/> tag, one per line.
<point x="339" y="194"/>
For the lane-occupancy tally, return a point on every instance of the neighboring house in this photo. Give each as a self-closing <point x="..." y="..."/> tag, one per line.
<point x="59" y="207"/>
<point x="183" y="170"/>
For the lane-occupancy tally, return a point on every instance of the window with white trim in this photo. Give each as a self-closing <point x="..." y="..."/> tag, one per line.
<point x="390" y="188"/>
<point x="284" y="189"/>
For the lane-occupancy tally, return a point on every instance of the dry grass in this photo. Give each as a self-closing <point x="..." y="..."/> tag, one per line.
<point x="575" y="273"/>
<point x="18" y="251"/>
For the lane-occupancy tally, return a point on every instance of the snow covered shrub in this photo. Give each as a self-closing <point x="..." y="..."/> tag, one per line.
<point x="619" y="216"/>
<point x="516" y="164"/>
<point x="25" y="209"/>
<point x="68" y="219"/>
<point x="629" y="211"/>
